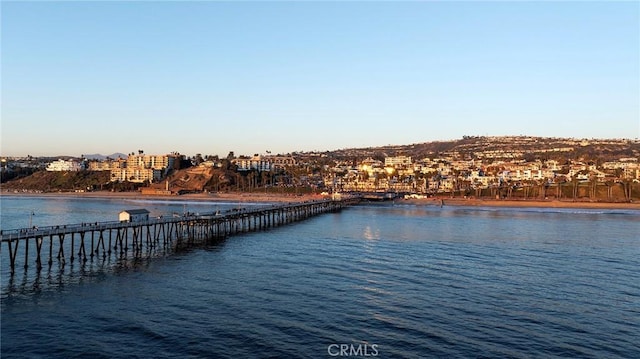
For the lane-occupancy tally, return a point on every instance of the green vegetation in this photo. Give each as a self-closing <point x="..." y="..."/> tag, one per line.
<point x="17" y="173"/>
<point x="44" y="181"/>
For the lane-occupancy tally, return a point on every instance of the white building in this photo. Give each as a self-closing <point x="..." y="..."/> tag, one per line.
<point x="255" y="163"/>
<point x="63" y="165"/>
<point x="134" y="215"/>
<point x="140" y="168"/>
<point x="397" y="161"/>
<point x="138" y="175"/>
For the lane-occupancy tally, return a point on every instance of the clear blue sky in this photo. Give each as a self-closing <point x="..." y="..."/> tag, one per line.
<point x="213" y="77"/>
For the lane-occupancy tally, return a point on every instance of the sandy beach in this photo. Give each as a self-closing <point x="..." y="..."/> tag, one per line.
<point x="472" y="202"/>
<point x="222" y="197"/>
<point x="272" y="197"/>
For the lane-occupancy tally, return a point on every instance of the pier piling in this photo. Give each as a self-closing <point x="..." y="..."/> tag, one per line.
<point x="145" y="237"/>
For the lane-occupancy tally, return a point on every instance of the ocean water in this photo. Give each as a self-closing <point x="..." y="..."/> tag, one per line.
<point x="389" y="281"/>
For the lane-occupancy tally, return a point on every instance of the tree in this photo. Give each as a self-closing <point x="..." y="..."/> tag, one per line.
<point x="593" y="187"/>
<point x="626" y="188"/>
<point x="198" y="159"/>
<point x="559" y="190"/>
<point x="510" y="188"/>
<point x="609" y="184"/>
<point x="264" y="176"/>
<point x="574" y="186"/>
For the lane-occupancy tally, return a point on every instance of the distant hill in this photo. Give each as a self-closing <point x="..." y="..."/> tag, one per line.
<point x="504" y="147"/>
<point x="103" y="157"/>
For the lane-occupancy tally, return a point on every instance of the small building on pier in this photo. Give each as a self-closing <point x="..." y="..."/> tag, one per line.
<point x="134" y="215"/>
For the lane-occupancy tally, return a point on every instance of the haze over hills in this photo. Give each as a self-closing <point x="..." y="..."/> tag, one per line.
<point x="471" y="147"/>
<point x="100" y="157"/>
<point x="95" y="156"/>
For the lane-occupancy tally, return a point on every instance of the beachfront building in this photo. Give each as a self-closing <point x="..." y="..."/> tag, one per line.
<point x="140" y="168"/>
<point x="136" y="174"/>
<point x="63" y="165"/>
<point x="156" y="162"/>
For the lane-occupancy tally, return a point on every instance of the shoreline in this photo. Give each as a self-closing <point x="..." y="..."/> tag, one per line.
<point x="213" y="197"/>
<point x="522" y="203"/>
<point x="271" y="198"/>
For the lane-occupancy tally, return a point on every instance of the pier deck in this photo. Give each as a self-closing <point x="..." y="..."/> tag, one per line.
<point x="85" y="241"/>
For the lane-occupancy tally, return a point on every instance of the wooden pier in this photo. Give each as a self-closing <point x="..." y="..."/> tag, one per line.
<point x="86" y="241"/>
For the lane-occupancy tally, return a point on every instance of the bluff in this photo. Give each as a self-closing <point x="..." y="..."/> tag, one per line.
<point x="46" y="181"/>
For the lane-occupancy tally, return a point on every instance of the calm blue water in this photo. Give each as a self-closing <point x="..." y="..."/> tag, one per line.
<point x="395" y="281"/>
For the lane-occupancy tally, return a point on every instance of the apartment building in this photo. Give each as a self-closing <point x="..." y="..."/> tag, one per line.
<point x="397" y="161"/>
<point x="255" y="163"/>
<point x="141" y="167"/>
<point x="281" y="162"/>
<point x="136" y="174"/>
<point x="63" y="165"/>
<point x="156" y="162"/>
<point x="108" y="165"/>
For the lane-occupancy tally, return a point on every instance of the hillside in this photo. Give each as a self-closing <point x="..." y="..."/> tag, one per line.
<point x="197" y="179"/>
<point x="504" y="147"/>
<point x="46" y="181"/>
<point x="188" y="179"/>
<point x="514" y="149"/>
<point x="193" y="179"/>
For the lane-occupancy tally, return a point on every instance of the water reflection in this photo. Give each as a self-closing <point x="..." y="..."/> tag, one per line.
<point x="60" y="273"/>
<point x="370" y="233"/>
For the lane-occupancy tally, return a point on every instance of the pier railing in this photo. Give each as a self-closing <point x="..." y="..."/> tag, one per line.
<point x="86" y="241"/>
